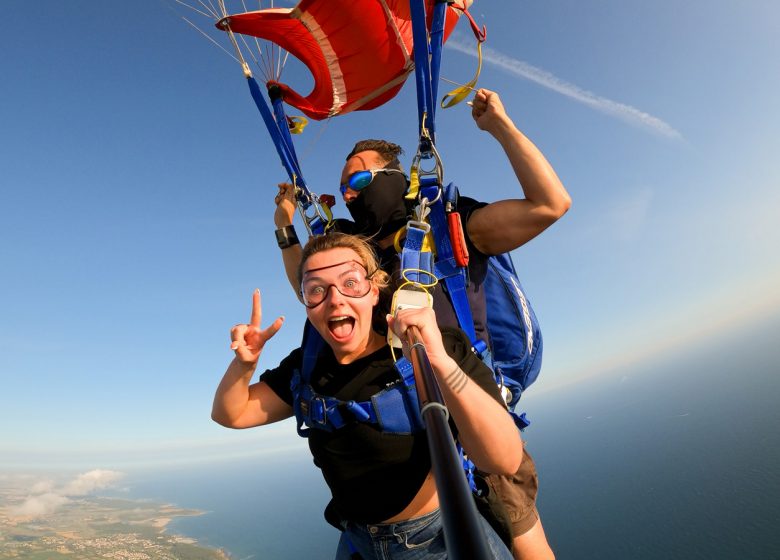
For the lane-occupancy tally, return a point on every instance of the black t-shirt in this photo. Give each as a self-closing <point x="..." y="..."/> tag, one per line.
<point x="372" y="475"/>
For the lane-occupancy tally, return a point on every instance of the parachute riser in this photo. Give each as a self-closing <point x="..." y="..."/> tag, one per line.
<point x="316" y="216"/>
<point x="427" y="57"/>
<point x="282" y="144"/>
<point x="275" y="94"/>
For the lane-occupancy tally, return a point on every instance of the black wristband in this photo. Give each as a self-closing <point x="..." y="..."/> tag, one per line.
<point x="286" y="237"/>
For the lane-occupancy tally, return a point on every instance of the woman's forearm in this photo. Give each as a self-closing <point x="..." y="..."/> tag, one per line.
<point x="232" y="397"/>
<point x="485" y="428"/>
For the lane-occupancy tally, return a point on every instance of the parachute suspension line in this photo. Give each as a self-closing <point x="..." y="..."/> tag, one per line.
<point x="224" y="24"/>
<point x="278" y="65"/>
<point x="222" y="8"/>
<point x="266" y="56"/>
<point x="281" y="67"/>
<point x="283" y="147"/>
<point x="263" y="63"/>
<point x="252" y="52"/>
<point x="314" y="141"/>
<point x="453" y="82"/>
<point x="316" y="214"/>
<point x="259" y="51"/>
<point x="199" y="30"/>
<point x="212" y="7"/>
<point x="241" y="60"/>
<point x="269" y="63"/>
<point x="194" y="9"/>
<point x="243" y="39"/>
<point x="248" y="49"/>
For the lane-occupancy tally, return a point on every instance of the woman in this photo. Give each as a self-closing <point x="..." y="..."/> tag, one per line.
<point x="384" y="496"/>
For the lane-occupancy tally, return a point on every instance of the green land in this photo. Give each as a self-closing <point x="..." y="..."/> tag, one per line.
<point x="87" y="528"/>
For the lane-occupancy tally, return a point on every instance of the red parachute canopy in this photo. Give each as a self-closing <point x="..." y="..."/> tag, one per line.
<point x="358" y="51"/>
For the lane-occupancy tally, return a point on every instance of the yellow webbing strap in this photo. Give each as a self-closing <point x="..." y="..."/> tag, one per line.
<point x="328" y="214"/>
<point x="296" y="124"/>
<point x="428" y="243"/>
<point x="459" y="93"/>
<point x="414" y="183"/>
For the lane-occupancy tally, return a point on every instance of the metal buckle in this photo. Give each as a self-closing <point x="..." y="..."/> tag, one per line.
<point x="319" y="406"/>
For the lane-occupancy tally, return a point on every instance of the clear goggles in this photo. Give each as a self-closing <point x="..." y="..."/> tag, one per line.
<point x="359" y="180"/>
<point x="349" y="278"/>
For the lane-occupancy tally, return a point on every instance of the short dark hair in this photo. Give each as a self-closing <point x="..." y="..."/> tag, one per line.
<point x="388" y="151"/>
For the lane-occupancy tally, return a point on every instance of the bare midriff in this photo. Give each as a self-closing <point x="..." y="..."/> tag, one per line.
<point x="423" y="503"/>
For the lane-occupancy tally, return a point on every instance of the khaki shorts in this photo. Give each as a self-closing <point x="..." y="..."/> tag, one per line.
<point x="517" y="493"/>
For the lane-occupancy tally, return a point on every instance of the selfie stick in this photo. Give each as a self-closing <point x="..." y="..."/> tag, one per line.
<point x="463" y="533"/>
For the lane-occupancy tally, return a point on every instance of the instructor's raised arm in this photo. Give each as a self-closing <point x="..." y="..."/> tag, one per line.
<point x="285" y="234"/>
<point x="507" y="224"/>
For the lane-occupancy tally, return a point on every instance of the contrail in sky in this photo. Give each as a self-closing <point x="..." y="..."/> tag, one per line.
<point x="624" y="112"/>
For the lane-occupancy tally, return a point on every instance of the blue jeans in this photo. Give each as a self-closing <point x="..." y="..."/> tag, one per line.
<point x="415" y="539"/>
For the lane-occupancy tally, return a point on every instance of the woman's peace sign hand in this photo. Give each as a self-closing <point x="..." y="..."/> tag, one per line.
<point x="248" y="340"/>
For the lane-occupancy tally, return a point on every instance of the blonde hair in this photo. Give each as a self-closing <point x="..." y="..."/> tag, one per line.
<point x="360" y="245"/>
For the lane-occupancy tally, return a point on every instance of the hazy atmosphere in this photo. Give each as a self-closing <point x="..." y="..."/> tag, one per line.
<point x="136" y="205"/>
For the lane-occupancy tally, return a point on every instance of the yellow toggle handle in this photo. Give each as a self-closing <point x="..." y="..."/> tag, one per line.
<point x="459" y="94"/>
<point x="296" y="124"/>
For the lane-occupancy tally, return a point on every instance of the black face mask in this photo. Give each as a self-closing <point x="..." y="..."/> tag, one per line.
<point x="380" y="208"/>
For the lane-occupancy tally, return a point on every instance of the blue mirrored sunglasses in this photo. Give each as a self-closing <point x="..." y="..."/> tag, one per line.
<point x="359" y="180"/>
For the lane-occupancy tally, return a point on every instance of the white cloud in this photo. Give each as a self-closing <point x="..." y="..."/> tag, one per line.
<point x="90" y="481"/>
<point x="45" y="498"/>
<point x="521" y="69"/>
<point x="42" y="486"/>
<point x="39" y="506"/>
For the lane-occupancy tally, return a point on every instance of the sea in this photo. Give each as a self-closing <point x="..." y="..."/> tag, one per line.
<point x="677" y="457"/>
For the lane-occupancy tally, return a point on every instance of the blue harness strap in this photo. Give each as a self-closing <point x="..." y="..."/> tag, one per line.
<point x="394" y="410"/>
<point x="445" y="268"/>
<point x="276" y="124"/>
<point x="416" y="264"/>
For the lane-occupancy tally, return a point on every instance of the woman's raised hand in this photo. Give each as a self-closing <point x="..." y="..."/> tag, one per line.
<point x="424" y="319"/>
<point x="247" y="340"/>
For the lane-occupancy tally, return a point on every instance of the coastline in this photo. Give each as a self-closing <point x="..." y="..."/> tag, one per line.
<point x="174" y="512"/>
<point x="91" y="526"/>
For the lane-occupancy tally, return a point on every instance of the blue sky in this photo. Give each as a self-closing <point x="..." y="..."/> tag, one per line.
<point x="137" y="186"/>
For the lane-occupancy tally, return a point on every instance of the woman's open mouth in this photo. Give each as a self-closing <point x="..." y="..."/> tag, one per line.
<point x="341" y="327"/>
